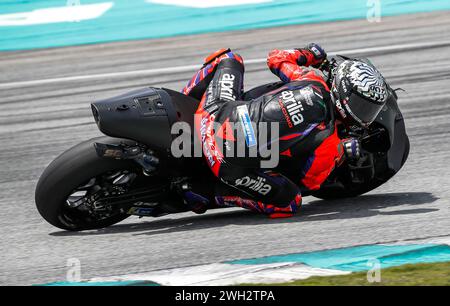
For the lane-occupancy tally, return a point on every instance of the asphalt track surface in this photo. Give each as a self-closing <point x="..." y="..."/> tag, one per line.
<point x="38" y="122"/>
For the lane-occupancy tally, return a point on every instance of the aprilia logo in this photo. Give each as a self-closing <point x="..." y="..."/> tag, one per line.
<point x="291" y="108"/>
<point x="226" y="87"/>
<point x="257" y="185"/>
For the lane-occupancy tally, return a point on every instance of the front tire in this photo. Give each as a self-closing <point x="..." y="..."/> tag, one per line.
<point x="68" y="172"/>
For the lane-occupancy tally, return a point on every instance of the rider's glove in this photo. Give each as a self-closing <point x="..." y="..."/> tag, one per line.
<point x="352" y="148"/>
<point x="318" y="53"/>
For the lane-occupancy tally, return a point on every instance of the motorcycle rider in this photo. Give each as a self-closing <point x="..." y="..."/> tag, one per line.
<point x="309" y="116"/>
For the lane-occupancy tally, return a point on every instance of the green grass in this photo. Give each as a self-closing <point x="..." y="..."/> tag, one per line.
<point x="435" y="274"/>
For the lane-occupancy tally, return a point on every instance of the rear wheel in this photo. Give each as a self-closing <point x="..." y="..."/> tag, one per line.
<point x="68" y="191"/>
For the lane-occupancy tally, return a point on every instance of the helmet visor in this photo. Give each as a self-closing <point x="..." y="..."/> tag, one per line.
<point x="362" y="109"/>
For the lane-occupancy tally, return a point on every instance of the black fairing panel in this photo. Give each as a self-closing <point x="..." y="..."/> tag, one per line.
<point x="392" y="120"/>
<point x="143" y="115"/>
<point x="399" y="151"/>
<point x="185" y="106"/>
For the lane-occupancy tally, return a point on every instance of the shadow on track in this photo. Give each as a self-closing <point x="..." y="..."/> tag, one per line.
<point x="319" y="210"/>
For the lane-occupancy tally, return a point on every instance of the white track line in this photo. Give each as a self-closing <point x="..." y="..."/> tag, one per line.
<point x="188" y="68"/>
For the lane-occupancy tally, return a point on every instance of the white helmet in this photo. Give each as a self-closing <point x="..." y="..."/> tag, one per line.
<point x="359" y="92"/>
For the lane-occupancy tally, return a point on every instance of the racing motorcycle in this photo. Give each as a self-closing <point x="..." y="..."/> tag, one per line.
<point x="131" y="170"/>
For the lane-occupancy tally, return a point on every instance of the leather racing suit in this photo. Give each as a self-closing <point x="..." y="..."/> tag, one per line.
<point x="309" y="146"/>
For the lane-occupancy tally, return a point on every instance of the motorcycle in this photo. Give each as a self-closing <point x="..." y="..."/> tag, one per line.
<point x="131" y="170"/>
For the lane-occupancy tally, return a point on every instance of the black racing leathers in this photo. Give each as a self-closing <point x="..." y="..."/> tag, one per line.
<point x="296" y="119"/>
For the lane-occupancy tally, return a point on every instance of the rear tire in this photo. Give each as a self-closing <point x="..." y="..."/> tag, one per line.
<point x="69" y="171"/>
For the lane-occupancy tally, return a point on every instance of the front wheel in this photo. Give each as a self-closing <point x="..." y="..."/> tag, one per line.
<point x="67" y="191"/>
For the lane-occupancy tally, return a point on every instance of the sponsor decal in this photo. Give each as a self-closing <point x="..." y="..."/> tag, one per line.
<point x="291" y="108"/>
<point x="307" y="93"/>
<point x="209" y="148"/>
<point x="140" y="211"/>
<point x="226" y="87"/>
<point x="316" y="51"/>
<point x="340" y="109"/>
<point x="344" y="86"/>
<point x="247" y="126"/>
<point x="209" y="99"/>
<point x="259" y="184"/>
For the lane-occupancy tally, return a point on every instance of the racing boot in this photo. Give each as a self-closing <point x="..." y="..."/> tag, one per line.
<point x="272" y="211"/>
<point x="196" y="203"/>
